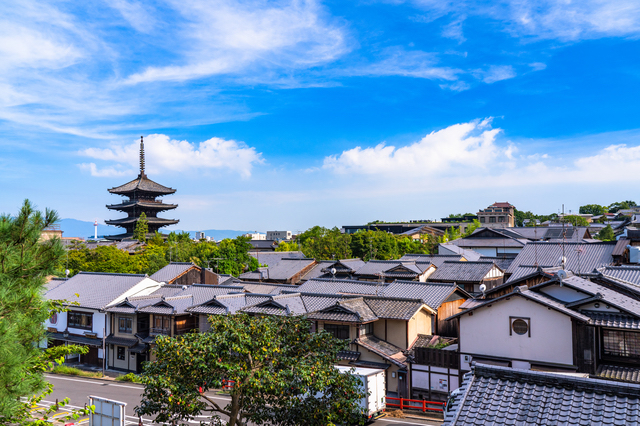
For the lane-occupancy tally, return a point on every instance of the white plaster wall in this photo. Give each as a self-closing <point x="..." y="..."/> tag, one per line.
<point x="494" y="272"/>
<point x="486" y="332"/>
<point x="602" y="307"/>
<point x="485" y="251"/>
<point x="425" y="274"/>
<point x="61" y="323"/>
<point x="420" y="379"/>
<point x="99" y="322"/>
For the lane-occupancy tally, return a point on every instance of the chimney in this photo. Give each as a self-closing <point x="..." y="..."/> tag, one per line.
<point x="95" y="229"/>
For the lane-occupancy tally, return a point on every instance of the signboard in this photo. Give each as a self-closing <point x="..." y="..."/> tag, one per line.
<point x="107" y="413"/>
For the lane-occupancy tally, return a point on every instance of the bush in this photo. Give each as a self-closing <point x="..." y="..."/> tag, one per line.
<point x="63" y="369"/>
<point x="129" y="377"/>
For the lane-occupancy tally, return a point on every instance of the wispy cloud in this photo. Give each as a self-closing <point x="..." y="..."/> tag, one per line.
<point x="166" y="154"/>
<point x="495" y="73"/>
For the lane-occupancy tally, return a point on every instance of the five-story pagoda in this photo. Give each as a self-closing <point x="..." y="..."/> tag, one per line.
<point x="142" y="193"/>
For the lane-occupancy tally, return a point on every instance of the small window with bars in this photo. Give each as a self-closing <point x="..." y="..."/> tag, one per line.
<point x="125" y="325"/>
<point x="621" y="343"/>
<point x="519" y="326"/>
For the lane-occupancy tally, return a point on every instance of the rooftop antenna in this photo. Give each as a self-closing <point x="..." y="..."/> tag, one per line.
<point x="564" y="236"/>
<point x="141" y="156"/>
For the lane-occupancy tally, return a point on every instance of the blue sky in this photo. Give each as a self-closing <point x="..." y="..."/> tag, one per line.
<point x="284" y="115"/>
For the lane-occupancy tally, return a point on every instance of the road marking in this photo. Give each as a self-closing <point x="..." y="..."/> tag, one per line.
<point x="398" y="421"/>
<point x="93" y="382"/>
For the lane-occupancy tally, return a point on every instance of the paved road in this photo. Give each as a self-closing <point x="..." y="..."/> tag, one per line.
<point x="78" y="390"/>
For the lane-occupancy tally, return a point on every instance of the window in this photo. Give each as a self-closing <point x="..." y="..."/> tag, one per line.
<point x="338" y="331"/>
<point x="621" y="343"/>
<point x="500" y="218"/>
<point x="121" y="353"/>
<point x="492" y="219"/>
<point x="161" y="324"/>
<point x="79" y="320"/>
<point x="520" y="326"/>
<point x="481" y="219"/>
<point x="124" y="325"/>
<point x="366" y="329"/>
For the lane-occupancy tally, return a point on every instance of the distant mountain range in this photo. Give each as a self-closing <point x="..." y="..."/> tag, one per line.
<point x="84" y="229"/>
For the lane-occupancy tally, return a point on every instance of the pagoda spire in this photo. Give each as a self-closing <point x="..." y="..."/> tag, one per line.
<point x="141" y="156"/>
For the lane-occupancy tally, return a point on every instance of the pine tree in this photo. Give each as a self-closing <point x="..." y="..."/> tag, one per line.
<point x="142" y="229"/>
<point x="25" y="263"/>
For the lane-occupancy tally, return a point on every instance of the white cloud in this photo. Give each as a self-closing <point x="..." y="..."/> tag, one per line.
<point x="105" y="171"/>
<point x="538" y="66"/>
<point x="458" y="147"/>
<point x="163" y="153"/>
<point x="135" y="14"/>
<point x="454" y="31"/>
<point x="230" y="37"/>
<point x="397" y="61"/>
<point x="496" y="73"/>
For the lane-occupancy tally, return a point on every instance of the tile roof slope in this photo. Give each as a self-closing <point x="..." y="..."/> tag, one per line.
<point x="616" y="372"/>
<point x="142" y="182"/>
<point x="614" y="321"/>
<point x="467" y="253"/>
<point x="335" y="286"/>
<point x="435" y="259"/>
<point x="462" y="271"/>
<point x="431" y="294"/>
<point x="620" y="247"/>
<point x="95" y="289"/>
<point x="502" y="262"/>
<point x="580" y="257"/>
<point x="172" y="271"/>
<point x="629" y="273"/>
<point x="375" y="267"/>
<point x="393" y="308"/>
<point x="492" y="395"/>
<point x="271" y="258"/>
<point x="292" y="304"/>
<point x="266" y="288"/>
<point x="470" y="242"/>
<point x="384" y="349"/>
<point x="611" y="296"/>
<point x="287" y="268"/>
<point x="317" y="271"/>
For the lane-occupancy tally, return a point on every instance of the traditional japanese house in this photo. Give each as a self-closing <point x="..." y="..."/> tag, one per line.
<point x="142" y="193"/>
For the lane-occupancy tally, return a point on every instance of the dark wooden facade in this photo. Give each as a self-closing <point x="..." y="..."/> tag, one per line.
<point x="447" y="309"/>
<point x="197" y="275"/>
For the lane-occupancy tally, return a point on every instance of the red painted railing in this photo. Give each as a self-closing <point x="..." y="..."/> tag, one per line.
<point x="415" y="404"/>
<point x="227" y="384"/>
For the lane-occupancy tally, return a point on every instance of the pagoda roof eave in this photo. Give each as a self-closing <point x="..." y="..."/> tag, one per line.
<point x="142" y="184"/>
<point x="150" y="220"/>
<point x="129" y="205"/>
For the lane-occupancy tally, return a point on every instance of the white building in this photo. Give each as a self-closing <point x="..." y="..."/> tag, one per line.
<point x="279" y="235"/>
<point x="256" y="236"/>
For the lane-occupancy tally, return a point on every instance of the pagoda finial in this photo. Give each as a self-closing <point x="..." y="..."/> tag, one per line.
<point x="141" y="156"/>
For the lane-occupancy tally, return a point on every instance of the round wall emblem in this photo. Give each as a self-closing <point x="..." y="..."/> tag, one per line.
<point x="54" y="318"/>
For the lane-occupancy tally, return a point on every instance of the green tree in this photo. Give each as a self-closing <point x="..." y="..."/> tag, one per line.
<point x="474" y="225"/>
<point x="330" y="244"/>
<point x="594" y="209"/>
<point x="142" y="228"/>
<point x="25" y="263"/>
<point x="576" y="220"/>
<point x="283" y="374"/>
<point x="606" y="234"/>
<point x="621" y="205"/>
<point x="379" y="245"/>
<point x="285" y="246"/>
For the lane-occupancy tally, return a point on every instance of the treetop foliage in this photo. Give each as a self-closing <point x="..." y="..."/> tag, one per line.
<point x="283" y="374"/>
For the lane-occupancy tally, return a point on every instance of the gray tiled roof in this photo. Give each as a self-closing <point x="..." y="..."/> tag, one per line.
<point x="467" y="253"/>
<point x="471" y="242"/>
<point x="120" y="341"/>
<point x="608" y="295"/>
<point x="384" y="349"/>
<point x="615" y="321"/>
<point x="284" y="304"/>
<point x="626" y="273"/>
<point x="432" y="294"/>
<point x="393" y="308"/>
<point x="336" y="286"/>
<point x="492" y="395"/>
<point x="616" y="372"/>
<point x="95" y="289"/>
<point x="502" y="262"/>
<point x="580" y="257"/>
<point x="266" y="288"/>
<point x="317" y="271"/>
<point x="462" y="271"/>
<point x="435" y="259"/>
<point x="272" y="258"/>
<point x="283" y="270"/>
<point x="173" y="271"/>
<point x="143" y="183"/>
<point x="375" y="267"/>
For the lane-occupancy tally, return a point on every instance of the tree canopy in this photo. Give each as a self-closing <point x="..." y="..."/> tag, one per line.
<point x="142" y="228"/>
<point x="283" y="373"/>
<point x="25" y="263"/>
<point x="606" y="234"/>
<point x="228" y="257"/>
<point x="576" y="220"/>
<point x="621" y="205"/>
<point x="594" y="209"/>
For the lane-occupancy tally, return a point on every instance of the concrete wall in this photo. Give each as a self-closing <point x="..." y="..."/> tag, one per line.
<point x="486" y="332"/>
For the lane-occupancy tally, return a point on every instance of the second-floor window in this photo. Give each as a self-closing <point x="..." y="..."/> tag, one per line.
<point x="80" y="320"/>
<point x="338" y="331"/>
<point x="161" y="324"/>
<point x="492" y="219"/>
<point x="125" y="325"/>
<point x="621" y="343"/>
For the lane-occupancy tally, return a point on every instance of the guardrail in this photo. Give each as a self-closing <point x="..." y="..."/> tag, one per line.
<point x="416" y="404"/>
<point x="227" y="384"/>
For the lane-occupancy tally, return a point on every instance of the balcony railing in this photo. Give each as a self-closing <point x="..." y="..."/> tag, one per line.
<point x="155" y="330"/>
